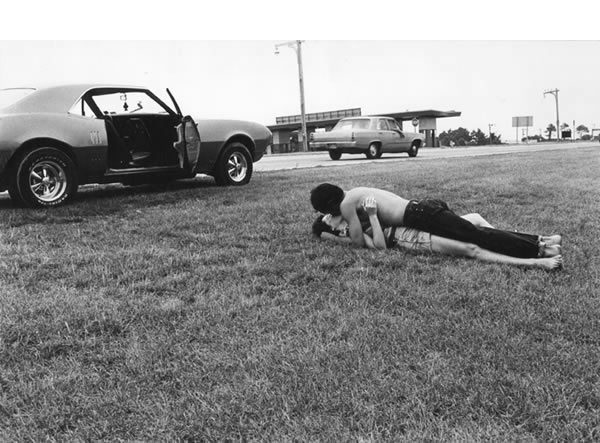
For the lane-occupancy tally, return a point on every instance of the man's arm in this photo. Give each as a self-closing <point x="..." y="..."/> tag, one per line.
<point x="349" y="214"/>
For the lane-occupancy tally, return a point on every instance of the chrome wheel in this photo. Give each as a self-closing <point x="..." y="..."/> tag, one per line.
<point x="373" y="151"/>
<point x="335" y="155"/>
<point x="414" y="149"/>
<point x="237" y="167"/>
<point x="48" y="181"/>
<point x="234" y="167"/>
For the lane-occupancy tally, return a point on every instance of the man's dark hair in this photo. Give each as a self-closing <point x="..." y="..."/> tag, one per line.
<point x="326" y="198"/>
<point x="319" y="226"/>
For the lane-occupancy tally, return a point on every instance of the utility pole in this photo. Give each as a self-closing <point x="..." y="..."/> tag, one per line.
<point x="490" y="131"/>
<point x="554" y="92"/>
<point x="296" y="45"/>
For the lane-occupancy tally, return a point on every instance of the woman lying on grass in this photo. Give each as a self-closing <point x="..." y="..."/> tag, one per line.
<point x="336" y="228"/>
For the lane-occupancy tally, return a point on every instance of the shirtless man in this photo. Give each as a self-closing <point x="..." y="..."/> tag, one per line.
<point x="427" y="215"/>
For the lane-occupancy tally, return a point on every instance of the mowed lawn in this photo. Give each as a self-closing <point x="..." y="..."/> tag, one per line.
<point x="205" y="313"/>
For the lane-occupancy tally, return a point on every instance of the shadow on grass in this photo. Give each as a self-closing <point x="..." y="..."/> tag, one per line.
<point x="103" y="200"/>
<point x="102" y="192"/>
<point x="361" y="157"/>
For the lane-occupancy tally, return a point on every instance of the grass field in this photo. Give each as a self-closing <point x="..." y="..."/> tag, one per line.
<point x="208" y="313"/>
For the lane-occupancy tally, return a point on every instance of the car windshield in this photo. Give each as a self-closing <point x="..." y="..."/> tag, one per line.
<point x="10" y="96"/>
<point x="127" y="102"/>
<point x="357" y="123"/>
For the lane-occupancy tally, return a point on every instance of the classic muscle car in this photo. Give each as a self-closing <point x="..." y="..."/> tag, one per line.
<point x="54" y="139"/>
<point x="371" y="136"/>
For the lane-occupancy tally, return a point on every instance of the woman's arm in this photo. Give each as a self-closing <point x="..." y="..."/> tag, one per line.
<point x="348" y="211"/>
<point x="378" y="240"/>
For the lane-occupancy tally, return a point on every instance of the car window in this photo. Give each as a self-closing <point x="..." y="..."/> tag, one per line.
<point x="358" y="123"/>
<point x="10" y="96"/>
<point x="393" y="125"/>
<point x="382" y="125"/>
<point x="127" y="103"/>
<point x="82" y="109"/>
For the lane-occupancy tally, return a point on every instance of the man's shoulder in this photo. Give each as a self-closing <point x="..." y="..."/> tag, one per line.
<point x="353" y="196"/>
<point x="358" y="192"/>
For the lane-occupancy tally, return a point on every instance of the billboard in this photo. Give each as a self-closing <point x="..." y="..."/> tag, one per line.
<point x="522" y="122"/>
<point x="427" y="123"/>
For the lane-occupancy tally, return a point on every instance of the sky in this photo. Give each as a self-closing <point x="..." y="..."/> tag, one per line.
<point x="237" y="74"/>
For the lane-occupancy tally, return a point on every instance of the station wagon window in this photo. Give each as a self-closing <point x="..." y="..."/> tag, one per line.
<point x="82" y="109"/>
<point x="382" y="125"/>
<point x="393" y="125"/>
<point x="357" y="123"/>
<point x="128" y="103"/>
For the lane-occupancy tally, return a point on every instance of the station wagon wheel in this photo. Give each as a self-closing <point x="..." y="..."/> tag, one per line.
<point x="335" y="154"/>
<point x="46" y="177"/>
<point x="235" y="166"/>
<point x="374" y="151"/>
<point x="414" y="149"/>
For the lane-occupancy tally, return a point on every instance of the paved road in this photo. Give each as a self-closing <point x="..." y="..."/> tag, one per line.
<point x="313" y="159"/>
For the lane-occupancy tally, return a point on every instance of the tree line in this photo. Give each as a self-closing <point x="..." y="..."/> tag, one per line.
<point x="582" y="131"/>
<point x="464" y="137"/>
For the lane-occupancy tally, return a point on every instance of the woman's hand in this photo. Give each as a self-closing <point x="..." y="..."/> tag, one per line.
<point x="370" y="206"/>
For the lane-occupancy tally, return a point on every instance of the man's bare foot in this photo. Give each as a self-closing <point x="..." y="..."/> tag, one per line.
<point x="552" y="240"/>
<point x="552" y="251"/>
<point x="550" y="263"/>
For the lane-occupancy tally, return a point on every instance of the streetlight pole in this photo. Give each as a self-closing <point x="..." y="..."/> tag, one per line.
<point x="554" y="92"/>
<point x="296" y="45"/>
<point x="490" y="131"/>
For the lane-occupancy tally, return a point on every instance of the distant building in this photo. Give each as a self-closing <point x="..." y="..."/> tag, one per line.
<point x="287" y="130"/>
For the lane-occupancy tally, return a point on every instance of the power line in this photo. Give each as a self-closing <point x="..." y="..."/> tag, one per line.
<point x="554" y="92"/>
<point x="296" y="45"/>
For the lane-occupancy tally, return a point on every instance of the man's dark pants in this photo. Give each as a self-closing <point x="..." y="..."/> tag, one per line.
<point x="434" y="216"/>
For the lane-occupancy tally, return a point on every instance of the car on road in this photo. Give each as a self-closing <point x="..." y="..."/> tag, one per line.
<point x="56" y="138"/>
<point x="371" y="136"/>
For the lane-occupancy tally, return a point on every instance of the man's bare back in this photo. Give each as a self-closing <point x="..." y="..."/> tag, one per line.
<point x="390" y="209"/>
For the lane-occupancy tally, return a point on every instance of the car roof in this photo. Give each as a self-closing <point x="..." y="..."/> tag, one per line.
<point x="366" y="117"/>
<point x="57" y="99"/>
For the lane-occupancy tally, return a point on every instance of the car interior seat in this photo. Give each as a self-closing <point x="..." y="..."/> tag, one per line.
<point x="118" y="152"/>
<point x="140" y="148"/>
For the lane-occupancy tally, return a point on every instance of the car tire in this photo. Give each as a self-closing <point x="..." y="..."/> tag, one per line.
<point x="234" y="167"/>
<point x="414" y="150"/>
<point x="13" y="190"/>
<point x="374" y="151"/>
<point x="45" y="177"/>
<point x="335" y="155"/>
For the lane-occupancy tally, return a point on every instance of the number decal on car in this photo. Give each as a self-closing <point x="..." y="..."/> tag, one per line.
<point x="95" y="138"/>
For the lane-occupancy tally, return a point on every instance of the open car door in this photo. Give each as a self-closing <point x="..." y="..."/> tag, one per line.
<point x="188" y="140"/>
<point x="187" y="144"/>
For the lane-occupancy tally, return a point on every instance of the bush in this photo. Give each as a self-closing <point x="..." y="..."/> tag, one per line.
<point x="462" y="137"/>
<point x="537" y="138"/>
